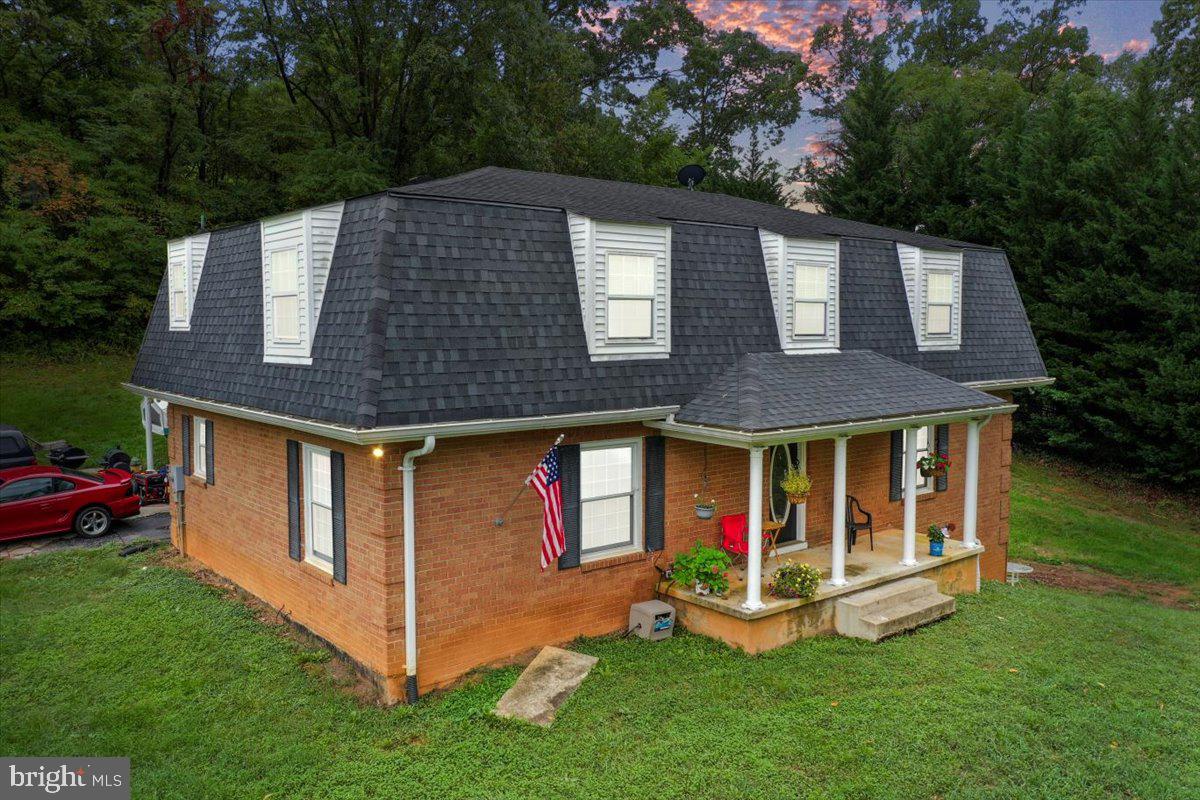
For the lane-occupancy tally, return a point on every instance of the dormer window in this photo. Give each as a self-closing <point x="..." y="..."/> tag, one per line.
<point x="803" y="276"/>
<point x="812" y="300"/>
<point x="624" y="275"/>
<point x="630" y="295"/>
<point x="933" y="283"/>
<point x="297" y="250"/>
<point x="185" y="262"/>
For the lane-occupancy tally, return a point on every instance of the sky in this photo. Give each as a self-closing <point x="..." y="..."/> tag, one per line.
<point x="1114" y="26"/>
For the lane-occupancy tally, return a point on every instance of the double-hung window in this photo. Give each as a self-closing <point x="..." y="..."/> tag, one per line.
<point x="199" y="447"/>
<point x="925" y="435"/>
<point x="939" y="303"/>
<point x="178" y="285"/>
<point x="630" y="295"/>
<point x="811" y="301"/>
<point x="285" y="295"/>
<point x="318" y="508"/>
<point x="610" y="497"/>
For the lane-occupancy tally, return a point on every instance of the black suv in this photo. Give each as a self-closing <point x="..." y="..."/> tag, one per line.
<point x="15" y="450"/>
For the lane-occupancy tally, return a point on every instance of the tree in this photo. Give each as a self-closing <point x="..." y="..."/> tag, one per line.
<point x="947" y="32"/>
<point x="862" y="181"/>
<point x="750" y="173"/>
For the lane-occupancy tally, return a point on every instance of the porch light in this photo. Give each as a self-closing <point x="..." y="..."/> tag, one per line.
<point x="377" y="451"/>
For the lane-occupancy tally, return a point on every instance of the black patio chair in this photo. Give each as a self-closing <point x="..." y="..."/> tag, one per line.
<point x="853" y="525"/>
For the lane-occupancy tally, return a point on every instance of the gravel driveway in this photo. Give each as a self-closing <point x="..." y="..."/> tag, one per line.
<point x="153" y="523"/>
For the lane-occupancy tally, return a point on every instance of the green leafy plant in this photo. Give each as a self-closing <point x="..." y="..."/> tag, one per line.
<point x="795" y="580"/>
<point x="707" y="566"/>
<point x="709" y="503"/>
<point x="796" y="485"/>
<point x="937" y="533"/>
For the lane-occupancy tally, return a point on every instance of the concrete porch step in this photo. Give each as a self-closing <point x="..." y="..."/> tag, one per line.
<point x="891" y="609"/>
<point x="891" y="594"/>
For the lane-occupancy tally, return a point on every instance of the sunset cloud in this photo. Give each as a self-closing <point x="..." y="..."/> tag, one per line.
<point x="1136" y="46"/>
<point x="786" y="24"/>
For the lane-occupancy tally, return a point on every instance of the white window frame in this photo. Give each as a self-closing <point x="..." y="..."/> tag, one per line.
<point x="809" y="300"/>
<point x="180" y="321"/>
<point x="635" y="543"/>
<point x="200" y="447"/>
<point x="311" y="555"/>
<point x="294" y="293"/>
<point x="611" y="296"/>
<point x="924" y="485"/>
<point x="950" y="306"/>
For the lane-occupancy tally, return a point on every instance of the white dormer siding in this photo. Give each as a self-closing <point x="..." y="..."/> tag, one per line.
<point x="624" y="275"/>
<point x="297" y="250"/>
<point x="803" y="278"/>
<point x="933" y="283"/>
<point x="185" y="262"/>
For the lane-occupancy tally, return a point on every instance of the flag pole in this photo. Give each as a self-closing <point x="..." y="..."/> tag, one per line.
<point x="499" y="521"/>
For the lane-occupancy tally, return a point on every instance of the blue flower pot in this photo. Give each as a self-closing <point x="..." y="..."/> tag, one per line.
<point x="935" y="548"/>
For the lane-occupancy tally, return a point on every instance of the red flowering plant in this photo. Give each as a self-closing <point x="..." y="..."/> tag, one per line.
<point x="934" y="464"/>
<point x="706" y="569"/>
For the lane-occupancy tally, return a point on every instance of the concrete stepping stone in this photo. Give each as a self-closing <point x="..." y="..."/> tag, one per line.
<point x="545" y="685"/>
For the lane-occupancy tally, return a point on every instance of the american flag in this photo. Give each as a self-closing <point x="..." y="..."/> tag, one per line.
<point x="547" y="482"/>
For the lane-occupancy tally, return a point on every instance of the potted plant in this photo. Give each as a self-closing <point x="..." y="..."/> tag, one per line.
<point x="933" y="465"/>
<point x="705" y="569"/>
<point x="705" y="508"/>
<point x="796" y="485"/>
<point x="795" y="580"/>
<point x="937" y="537"/>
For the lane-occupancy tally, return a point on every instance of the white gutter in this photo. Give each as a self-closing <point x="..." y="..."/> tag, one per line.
<point x="410" y="570"/>
<point x="1008" y="383"/>
<point x="403" y="433"/>
<point x="747" y="439"/>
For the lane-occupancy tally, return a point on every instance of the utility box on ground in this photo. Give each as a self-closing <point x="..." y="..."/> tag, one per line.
<point x="652" y="620"/>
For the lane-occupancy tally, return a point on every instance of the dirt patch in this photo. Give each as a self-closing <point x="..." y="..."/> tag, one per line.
<point x="314" y="655"/>
<point x="1081" y="579"/>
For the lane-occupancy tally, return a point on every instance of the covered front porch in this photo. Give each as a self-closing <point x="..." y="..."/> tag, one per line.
<point x="780" y="621"/>
<point x="769" y="402"/>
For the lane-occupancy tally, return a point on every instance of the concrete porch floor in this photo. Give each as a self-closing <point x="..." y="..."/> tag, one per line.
<point x="865" y="568"/>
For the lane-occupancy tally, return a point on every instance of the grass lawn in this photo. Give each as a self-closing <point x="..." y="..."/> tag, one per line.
<point x="1061" y="518"/>
<point x="1028" y="691"/>
<point x="82" y="402"/>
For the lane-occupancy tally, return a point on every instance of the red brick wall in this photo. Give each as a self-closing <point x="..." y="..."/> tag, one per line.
<point x="481" y="596"/>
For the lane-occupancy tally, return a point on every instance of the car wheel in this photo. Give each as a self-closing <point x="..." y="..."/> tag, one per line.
<point x="92" y="522"/>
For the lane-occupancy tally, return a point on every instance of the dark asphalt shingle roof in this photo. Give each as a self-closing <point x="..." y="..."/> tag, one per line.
<point x="452" y="310"/>
<point x="631" y="202"/>
<point x="769" y="391"/>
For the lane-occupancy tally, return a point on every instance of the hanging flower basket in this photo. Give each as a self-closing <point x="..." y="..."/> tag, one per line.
<point x="796" y="485"/>
<point x="934" y="465"/>
<point x="705" y="508"/>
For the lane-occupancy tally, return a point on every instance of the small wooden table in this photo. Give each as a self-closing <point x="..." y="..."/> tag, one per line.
<point x="772" y="527"/>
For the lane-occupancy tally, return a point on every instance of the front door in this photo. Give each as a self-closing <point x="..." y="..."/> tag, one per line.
<point x="792" y="517"/>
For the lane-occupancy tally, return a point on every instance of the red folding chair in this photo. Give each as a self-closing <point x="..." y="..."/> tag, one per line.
<point x="735" y="537"/>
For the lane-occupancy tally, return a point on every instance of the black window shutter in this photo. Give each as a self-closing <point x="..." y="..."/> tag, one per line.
<point x="656" y="492"/>
<point x="942" y="434"/>
<point x="568" y="470"/>
<point x="208" y="451"/>
<point x="187" y="444"/>
<point x="791" y="533"/>
<point x="337" y="491"/>
<point x="896" y="483"/>
<point x="293" y="490"/>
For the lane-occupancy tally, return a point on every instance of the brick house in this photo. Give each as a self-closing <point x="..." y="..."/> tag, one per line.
<point x="360" y="389"/>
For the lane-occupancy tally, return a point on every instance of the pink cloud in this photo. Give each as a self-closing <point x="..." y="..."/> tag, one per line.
<point x="1135" y="46"/>
<point x="786" y="24"/>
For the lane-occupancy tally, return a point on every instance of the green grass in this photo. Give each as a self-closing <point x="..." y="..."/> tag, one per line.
<point x="1060" y="518"/>
<point x="1027" y="691"/>
<point x="82" y="402"/>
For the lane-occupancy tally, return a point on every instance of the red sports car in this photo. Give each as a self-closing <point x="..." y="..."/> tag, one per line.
<point x="38" y="500"/>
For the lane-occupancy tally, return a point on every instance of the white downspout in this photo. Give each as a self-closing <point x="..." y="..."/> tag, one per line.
<point x="410" y="570"/>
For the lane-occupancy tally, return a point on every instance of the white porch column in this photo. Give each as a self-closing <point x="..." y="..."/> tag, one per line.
<point x="971" y="486"/>
<point x="149" y="433"/>
<point x="837" y="558"/>
<point x="801" y="511"/>
<point x="909" y="556"/>
<point x="754" y="533"/>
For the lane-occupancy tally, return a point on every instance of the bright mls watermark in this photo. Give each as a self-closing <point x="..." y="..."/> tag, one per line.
<point x="83" y="778"/>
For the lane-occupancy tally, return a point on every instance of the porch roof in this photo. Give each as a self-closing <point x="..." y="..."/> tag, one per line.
<point x="777" y="391"/>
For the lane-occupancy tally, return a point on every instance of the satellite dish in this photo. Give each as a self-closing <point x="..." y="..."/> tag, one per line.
<point x="691" y="175"/>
